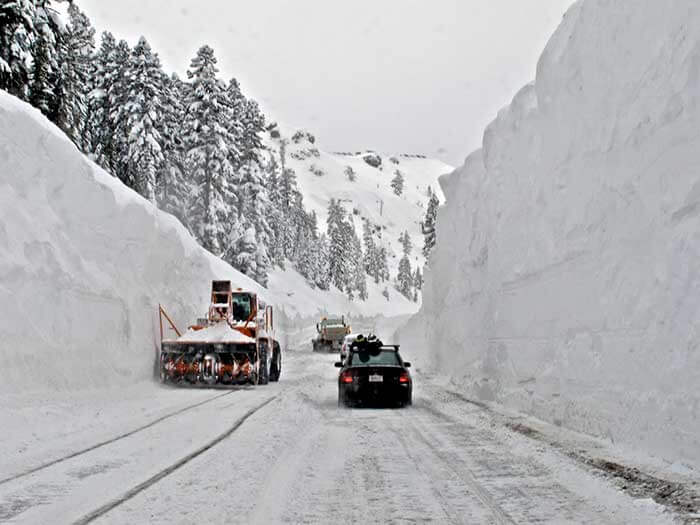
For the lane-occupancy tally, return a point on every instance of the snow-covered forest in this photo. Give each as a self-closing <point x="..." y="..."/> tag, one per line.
<point x="197" y="148"/>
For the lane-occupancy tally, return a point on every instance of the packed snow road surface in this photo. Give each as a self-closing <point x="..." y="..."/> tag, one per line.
<point x="287" y="453"/>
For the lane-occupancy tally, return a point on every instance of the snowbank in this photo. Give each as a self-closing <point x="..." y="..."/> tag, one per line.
<point x="84" y="262"/>
<point x="566" y="282"/>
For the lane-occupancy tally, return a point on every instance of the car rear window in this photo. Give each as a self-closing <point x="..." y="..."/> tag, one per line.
<point x="383" y="357"/>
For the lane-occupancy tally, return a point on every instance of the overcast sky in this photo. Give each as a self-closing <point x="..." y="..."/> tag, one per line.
<point x="414" y="76"/>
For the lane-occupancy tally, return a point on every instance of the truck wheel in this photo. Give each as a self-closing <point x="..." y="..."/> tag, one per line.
<point x="276" y="366"/>
<point x="263" y="373"/>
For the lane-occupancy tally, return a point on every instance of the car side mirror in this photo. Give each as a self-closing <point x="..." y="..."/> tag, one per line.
<point x="407" y="364"/>
<point x="339" y="364"/>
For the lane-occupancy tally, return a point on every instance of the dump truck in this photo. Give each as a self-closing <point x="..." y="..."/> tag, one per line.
<point x="331" y="332"/>
<point x="234" y="344"/>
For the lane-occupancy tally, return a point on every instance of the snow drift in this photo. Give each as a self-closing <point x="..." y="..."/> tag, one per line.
<point x="566" y="279"/>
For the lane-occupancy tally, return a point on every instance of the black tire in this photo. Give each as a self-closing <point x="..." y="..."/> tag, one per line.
<point x="264" y="373"/>
<point x="276" y="366"/>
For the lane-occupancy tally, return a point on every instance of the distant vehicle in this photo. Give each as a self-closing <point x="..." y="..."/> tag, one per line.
<point x="374" y="374"/>
<point x="345" y="347"/>
<point x="234" y="344"/>
<point x="331" y="331"/>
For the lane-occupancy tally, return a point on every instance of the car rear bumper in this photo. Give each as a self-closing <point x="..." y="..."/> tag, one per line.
<point x="375" y="394"/>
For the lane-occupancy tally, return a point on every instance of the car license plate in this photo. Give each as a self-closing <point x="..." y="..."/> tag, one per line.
<point x="376" y="378"/>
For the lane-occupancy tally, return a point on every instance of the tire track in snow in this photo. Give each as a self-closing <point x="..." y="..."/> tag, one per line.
<point x="104" y="509"/>
<point x="499" y="515"/>
<point x="111" y="440"/>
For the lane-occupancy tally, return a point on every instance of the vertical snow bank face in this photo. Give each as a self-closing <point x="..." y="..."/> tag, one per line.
<point x="566" y="279"/>
<point x="84" y="262"/>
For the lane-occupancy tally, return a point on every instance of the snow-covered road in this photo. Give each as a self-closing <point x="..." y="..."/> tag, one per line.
<point x="286" y="453"/>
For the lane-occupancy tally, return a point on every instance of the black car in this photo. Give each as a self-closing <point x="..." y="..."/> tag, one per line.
<point x="374" y="374"/>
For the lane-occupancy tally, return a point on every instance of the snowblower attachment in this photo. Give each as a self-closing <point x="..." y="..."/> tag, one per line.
<point x="234" y="344"/>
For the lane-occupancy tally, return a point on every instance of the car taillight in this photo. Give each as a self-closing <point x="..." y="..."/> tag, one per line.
<point x="346" y="377"/>
<point x="404" y="378"/>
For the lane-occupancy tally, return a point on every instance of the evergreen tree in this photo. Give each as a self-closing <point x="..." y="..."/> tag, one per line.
<point x="358" y="275"/>
<point x="102" y="131"/>
<point x="245" y="258"/>
<point x="428" y="226"/>
<point x="383" y="264"/>
<point x="262" y="265"/>
<point x="397" y="183"/>
<point x="276" y="217"/>
<point x="75" y="57"/>
<point x="406" y="244"/>
<point x="253" y="122"/>
<point x="207" y="144"/>
<point x="338" y="243"/>
<point x="17" y="35"/>
<point x="404" y="279"/>
<point x="418" y="279"/>
<point x="370" y="259"/>
<point x="142" y="114"/>
<point x="173" y="187"/>
<point x="322" y="263"/>
<point x="350" y="173"/>
<point x="45" y="69"/>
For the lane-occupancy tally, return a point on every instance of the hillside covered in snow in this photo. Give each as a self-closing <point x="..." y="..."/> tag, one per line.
<point x="566" y="280"/>
<point x="363" y="182"/>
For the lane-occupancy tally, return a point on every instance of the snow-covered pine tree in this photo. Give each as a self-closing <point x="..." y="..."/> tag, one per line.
<point x="276" y="218"/>
<point x="358" y="274"/>
<point x="372" y="258"/>
<point x="45" y="69"/>
<point x="207" y="142"/>
<point x="404" y="278"/>
<point x="397" y="183"/>
<point x="418" y="279"/>
<point x="428" y="226"/>
<point x="245" y="258"/>
<point x="75" y="58"/>
<point x="100" y="122"/>
<point x="321" y="263"/>
<point x="288" y="196"/>
<point x="338" y="244"/>
<point x="143" y="114"/>
<point x="235" y="108"/>
<point x="350" y="173"/>
<point x="383" y="263"/>
<point x="42" y="91"/>
<point x="406" y="244"/>
<point x="17" y="35"/>
<point x="253" y="126"/>
<point x="253" y="208"/>
<point x="173" y="187"/>
<point x="262" y="265"/>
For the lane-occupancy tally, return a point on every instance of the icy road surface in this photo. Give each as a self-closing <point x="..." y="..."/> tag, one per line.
<point x="286" y="453"/>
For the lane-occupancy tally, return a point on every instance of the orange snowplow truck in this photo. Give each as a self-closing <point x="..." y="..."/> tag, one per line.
<point x="234" y="344"/>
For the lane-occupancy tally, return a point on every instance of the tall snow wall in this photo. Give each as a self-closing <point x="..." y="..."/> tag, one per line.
<point x="84" y="262"/>
<point x="566" y="278"/>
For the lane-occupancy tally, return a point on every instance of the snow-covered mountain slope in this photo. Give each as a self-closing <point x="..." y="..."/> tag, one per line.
<point x="322" y="176"/>
<point x="566" y="279"/>
<point x="84" y="262"/>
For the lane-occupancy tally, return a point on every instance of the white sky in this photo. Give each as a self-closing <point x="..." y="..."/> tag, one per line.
<point x="413" y="76"/>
